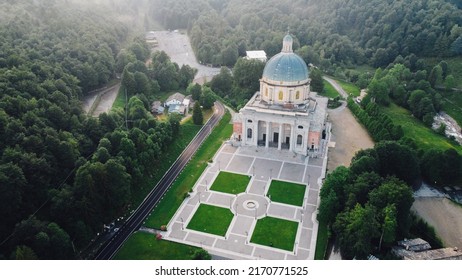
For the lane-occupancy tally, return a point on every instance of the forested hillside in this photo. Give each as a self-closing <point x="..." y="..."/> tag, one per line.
<point x="328" y="33"/>
<point x="63" y="174"/>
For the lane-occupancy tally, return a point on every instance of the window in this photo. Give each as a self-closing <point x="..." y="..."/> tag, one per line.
<point x="297" y="95"/>
<point x="299" y="139"/>
<point x="249" y="121"/>
<point x="300" y="127"/>
<point x="249" y="133"/>
<point x="281" y="95"/>
<point x="266" y="92"/>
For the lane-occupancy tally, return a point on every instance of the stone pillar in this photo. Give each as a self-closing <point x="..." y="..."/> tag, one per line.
<point x="255" y="135"/>
<point x="280" y="136"/>
<point x="292" y="140"/>
<point x="244" y="132"/>
<point x="267" y="134"/>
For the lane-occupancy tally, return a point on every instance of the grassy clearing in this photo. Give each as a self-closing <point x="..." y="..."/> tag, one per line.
<point x="424" y="137"/>
<point x="274" y="232"/>
<point x="144" y="246"/>
<point x="211" y="219"/>
<point x="287" y="193"/>
<point x="186" y="180"/>
<point x="321" y="242"/>
<point x="329" y="91"/>
<point x="349" y="88"/>
<point x="230" y="183"/>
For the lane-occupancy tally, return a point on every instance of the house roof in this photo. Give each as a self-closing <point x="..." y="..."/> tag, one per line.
<point x="178" y="96"/>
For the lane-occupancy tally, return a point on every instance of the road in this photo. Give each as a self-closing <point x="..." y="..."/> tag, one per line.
<point x="104" y="98"/>
<point x="135" y="221"/>
<point x="178" y="48"/>
<point x="336" y="86"/>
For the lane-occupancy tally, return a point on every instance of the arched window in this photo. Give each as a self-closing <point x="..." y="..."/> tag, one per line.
<point x="299" y="139"/>
<point x="249" y="133"/>
<point x="281" y="95"/>
<point x="300" y="127"/>
<point x="297" y="95"/>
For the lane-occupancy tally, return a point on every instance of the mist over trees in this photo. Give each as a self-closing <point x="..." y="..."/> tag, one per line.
<point x="63" y="174"/>
<point x="328" y="34"/>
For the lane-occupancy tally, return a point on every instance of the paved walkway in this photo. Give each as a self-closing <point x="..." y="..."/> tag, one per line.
<point x="263" y="165"/>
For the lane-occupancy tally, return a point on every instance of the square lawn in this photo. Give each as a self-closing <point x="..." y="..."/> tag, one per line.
<point x="287" y="193"/>
<point x="275" y="232"/>
<point x="230" y="183"/>
<point x="211" y="219"/>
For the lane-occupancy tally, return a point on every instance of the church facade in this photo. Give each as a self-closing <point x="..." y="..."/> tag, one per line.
<point x="284" y="114"/>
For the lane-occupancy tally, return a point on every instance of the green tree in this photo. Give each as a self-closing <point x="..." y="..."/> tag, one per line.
<point x="222" y="83"/>
<point x="207" y="98"/>
<point x="394" y="192"/>
<point x="247" y="73"/>
<point x="198" y="118"/>
<point x="356" y="229"/>
<point x="201" y="254"/>
<point x="389" y="225"/>
<point x="317" y="82"/>
<point x="195" y="90"/>
<point x="449" y="82"/>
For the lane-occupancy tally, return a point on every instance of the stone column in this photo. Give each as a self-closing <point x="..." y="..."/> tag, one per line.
<point x="292" y="140"/>
<point x="244" y="132"/>
<point x="267" y="134"/>
<point x="280" y="136"/>
<point x="255" y="134"/>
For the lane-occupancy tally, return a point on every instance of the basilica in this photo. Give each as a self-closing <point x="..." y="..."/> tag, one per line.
<point x="284" y="114"/>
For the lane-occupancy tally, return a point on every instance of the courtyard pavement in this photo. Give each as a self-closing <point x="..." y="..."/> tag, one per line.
<point x="263" y="165"/>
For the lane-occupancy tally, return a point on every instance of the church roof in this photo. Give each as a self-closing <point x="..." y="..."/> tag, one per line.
<point x="286" y="66"/>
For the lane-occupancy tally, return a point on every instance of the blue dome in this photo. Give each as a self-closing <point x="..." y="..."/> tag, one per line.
<point x="286" y="67"/>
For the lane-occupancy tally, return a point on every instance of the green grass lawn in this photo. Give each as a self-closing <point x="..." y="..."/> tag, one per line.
<point x="349" y="88"/>
<point x="321" y="242"/>
<point x="230" y="183"/>
<point x="186" y="180"/>
<point x="287" y="193"/>
<point x="275" y="232"/>
<point x="424" y="137"/>
<point x="329" y="91"/>
<point x="211" y="219"/>
<point x="144" y="246"/>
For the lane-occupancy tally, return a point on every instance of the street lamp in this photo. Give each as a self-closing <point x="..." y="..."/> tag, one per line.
<point x="206" y="185"/>
<point x="271" y="173"/>
<point x="182" y="223"/>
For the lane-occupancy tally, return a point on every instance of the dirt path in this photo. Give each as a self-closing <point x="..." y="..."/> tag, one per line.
<point x="444" y="216"/>
<point x="107" y="99"/>
<point x="349" y="137"/>
<point x="104" y="99"/>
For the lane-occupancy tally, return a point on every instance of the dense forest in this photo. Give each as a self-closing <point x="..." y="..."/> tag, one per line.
<point x="330" y="34"/>
<point x="63" y="174"/>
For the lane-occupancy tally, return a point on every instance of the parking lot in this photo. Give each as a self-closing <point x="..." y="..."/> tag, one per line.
<point x="178" y="47"/>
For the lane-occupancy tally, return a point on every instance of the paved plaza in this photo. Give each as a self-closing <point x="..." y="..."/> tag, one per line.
<point x="262" y="165"/>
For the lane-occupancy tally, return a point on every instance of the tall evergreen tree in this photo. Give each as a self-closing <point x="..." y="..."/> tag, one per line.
<point x="317" y="83"/>
<point x="198" y="118"/>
